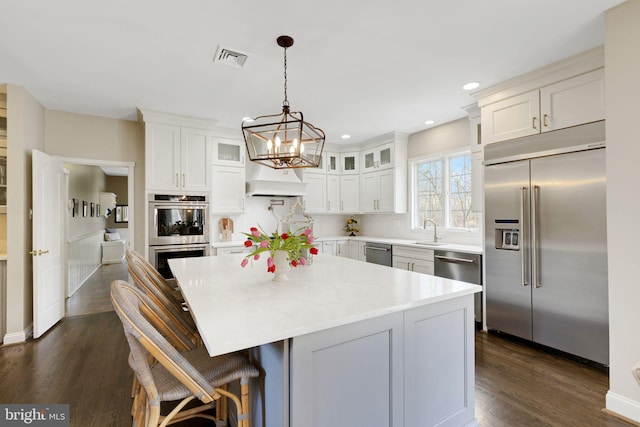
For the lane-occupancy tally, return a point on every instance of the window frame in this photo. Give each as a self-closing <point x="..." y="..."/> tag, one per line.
<point x="444" y="157"/>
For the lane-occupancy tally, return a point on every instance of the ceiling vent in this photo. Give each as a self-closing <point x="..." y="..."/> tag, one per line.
<point x="233" y="58"/>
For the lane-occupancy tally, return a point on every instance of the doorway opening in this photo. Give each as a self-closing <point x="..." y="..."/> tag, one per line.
<point x="89" y="184"/>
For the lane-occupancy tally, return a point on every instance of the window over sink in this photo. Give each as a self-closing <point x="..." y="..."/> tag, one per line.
<point x="441" y="191"/>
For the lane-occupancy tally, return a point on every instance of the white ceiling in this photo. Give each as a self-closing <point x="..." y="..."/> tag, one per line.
<point x="362" y="68"/>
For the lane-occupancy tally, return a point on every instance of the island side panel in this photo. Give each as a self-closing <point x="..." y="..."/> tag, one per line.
<point x="269" y="393"/>
<point x="439" y="362"/>
<point x="350" y="375"/>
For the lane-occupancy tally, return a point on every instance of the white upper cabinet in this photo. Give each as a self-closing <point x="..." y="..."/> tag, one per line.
<point x="178" y="152"/>
<point x="321" y="167"/>
<point x="316" y="198"/>
<point x="228" y="152"/>
<point x="378" y="192"/>
<point x="162" y="146"/>
<point x="350" y="193"/>
<point x="333" y="194"/>
<point x="332" y="161"/>
<point x="349" y="163"/>
<point x="227" y="190"/>
<point x="511" y="118"/>
<point x="377" y="158"/>
<point x="195" y="155"/>
<point x="177" y="158"/>
<point x="572" y="102"/>
<point x="565" y="103"/>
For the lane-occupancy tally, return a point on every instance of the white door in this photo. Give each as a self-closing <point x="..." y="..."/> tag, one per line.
<point x="47" y="249"/>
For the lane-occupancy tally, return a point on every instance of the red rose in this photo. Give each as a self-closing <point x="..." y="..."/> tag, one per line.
<point x="294" y="263"/>
<point x="253" y="229"/>
<point x="248" y="243"/>
<point x="272" y="269"/>
<point x="285" y="236"/>
<point x="313" y="251"/>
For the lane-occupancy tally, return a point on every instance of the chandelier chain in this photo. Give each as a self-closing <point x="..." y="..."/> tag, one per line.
<point x="286" y="101"/>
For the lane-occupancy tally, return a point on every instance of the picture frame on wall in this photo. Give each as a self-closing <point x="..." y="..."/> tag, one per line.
<point x="122" y="213"/>
<point x="84" y="208"/>
<point x="92" y="209"/>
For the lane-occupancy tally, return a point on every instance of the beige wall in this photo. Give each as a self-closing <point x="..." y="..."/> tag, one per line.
<point x="446" y="137"/>
<point x="25" y="132"/>
<point x="85" y="184"/>
<point x="88" y="137"/>
<point x="622" y="65"/>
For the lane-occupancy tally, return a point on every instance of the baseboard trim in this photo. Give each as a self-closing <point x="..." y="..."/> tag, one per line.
<point x="14" y="338"/>
<point x="623" y="407"/>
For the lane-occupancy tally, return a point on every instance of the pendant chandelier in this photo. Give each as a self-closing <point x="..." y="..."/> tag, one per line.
<point x="284" y="140"/>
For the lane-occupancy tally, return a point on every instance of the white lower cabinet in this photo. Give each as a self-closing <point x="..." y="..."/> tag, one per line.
<point x="413" y="259"/>
<point x="342" y="248"/>
<point x="329" y="247"/>
<point x="335" y="247"/>
<point x="357" y="250"/>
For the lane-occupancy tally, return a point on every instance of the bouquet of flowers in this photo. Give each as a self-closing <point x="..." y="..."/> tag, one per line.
<point x="292" y="243"/>
<point x="351" y="226"/>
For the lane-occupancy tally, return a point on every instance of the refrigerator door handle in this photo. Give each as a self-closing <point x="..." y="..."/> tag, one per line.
<point x="523" y="273"/>
<point x="534" y="236"/>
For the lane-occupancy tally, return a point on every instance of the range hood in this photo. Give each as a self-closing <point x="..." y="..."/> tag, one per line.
<point x="265" y="181"/>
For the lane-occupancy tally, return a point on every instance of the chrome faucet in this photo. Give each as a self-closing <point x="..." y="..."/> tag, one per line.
<point x="435" y="229"/>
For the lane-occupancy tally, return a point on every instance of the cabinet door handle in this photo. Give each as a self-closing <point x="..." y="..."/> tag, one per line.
<point x="544" y="120"/>
<point x="177" y="180"/>
<point x="183" y="180"/>
<point x="242" y="203"/>
<point x="534" y="123"/>
<point x="342" y="205"/>
<point x="328" y="205"/>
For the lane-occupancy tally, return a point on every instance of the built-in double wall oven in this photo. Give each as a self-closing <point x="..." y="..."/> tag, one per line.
<point x="178" y="228"/>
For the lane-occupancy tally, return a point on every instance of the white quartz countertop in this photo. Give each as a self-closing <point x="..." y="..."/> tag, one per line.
<point x="237" y="308"/>
<point x="472" y="249"/>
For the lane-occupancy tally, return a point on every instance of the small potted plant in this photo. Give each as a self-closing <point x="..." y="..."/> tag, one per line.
<point x="351" y="226"/>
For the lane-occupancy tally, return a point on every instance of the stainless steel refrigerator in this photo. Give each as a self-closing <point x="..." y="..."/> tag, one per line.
<point x="546" y="241"/>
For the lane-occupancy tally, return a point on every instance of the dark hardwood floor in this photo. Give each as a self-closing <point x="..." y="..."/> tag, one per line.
<point x="82" y="361"/>
<point x="518" y="384"/>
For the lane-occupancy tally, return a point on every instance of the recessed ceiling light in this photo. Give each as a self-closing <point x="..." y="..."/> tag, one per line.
<point x="429" y="122"/>
<point x="248" y="119"/>
<point x="345" y="136"/>
<point x="471" y="86"/>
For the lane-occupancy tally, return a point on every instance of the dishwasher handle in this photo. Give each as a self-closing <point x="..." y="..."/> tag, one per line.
<point x="454" y="259"/>
<point x="375" y="248"/>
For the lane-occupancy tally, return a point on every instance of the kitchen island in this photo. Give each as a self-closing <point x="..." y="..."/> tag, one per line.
<point x="341" y="342"/>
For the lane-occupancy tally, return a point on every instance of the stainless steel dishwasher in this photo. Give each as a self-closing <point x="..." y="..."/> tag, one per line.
<point x="461" y="266"/>
<point x="378" y="253"/>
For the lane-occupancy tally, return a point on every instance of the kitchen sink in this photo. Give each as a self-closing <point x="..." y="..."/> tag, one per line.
<point x="430" y="243"/>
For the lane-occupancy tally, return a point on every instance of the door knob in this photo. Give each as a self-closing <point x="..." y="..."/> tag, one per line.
<point x="38" y="252"/>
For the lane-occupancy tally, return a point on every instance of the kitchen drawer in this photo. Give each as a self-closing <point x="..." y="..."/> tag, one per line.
<point x="413" y="264"/>
<point x="417" y="253"/>
<point x="231" y="250"/>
